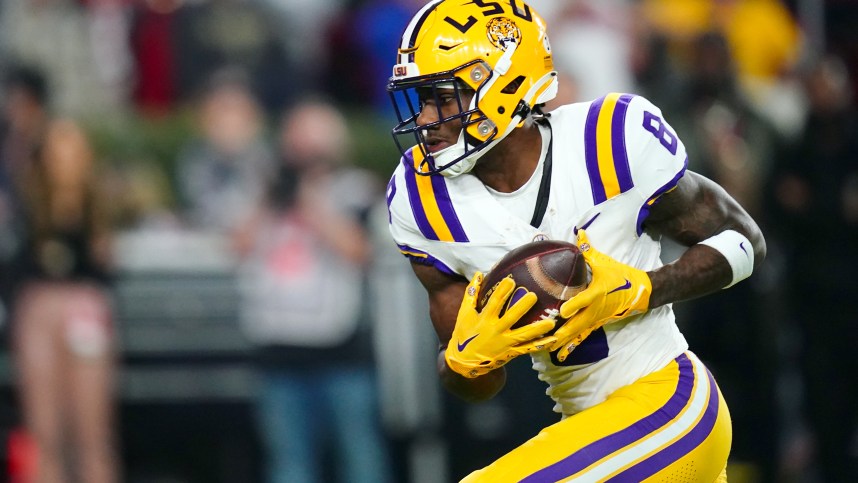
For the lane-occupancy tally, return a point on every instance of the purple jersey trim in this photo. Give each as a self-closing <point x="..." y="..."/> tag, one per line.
<point x="592" y="349"/>
<point x="391" y="193"/>
<point x="423" y="258"/>
<point x="597" y="450"/>
<point x="586" y="224"/>
<point x="644" y="211"/>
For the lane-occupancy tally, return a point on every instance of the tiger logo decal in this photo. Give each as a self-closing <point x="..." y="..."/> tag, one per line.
<point x="501" y="31"/>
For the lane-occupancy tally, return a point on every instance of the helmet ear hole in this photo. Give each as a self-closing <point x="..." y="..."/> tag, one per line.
<point x="513" y="85"/>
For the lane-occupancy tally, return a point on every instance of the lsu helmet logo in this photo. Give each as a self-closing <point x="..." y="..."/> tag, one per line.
<point x="501" y="31"/>
<point x="399" y="71"/>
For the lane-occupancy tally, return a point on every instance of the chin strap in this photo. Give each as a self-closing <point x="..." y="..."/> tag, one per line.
<point x="521" y="110"/>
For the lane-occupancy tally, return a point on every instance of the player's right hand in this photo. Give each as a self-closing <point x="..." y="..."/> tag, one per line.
<point x="483" y="341"/>
<point x="616" y="291"/>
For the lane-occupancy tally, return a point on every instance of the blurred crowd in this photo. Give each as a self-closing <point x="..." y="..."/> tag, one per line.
<point x="266" y="123"/>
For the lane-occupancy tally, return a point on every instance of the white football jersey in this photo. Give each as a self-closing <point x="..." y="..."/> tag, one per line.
<point x="609" y="161"/>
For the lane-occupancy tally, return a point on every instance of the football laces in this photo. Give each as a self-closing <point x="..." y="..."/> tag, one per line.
<point x="550" y="314"/>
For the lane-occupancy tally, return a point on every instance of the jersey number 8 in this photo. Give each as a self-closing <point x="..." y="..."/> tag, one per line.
<point x="656" y="126"/>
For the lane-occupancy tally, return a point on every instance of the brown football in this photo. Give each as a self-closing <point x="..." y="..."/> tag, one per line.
<point x="552" y="269"/>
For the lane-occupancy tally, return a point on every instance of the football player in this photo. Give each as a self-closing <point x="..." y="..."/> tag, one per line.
<point x="484" y="170"/>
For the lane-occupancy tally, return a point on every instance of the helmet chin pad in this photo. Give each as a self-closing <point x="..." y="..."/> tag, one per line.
<point x="451" y="154"/>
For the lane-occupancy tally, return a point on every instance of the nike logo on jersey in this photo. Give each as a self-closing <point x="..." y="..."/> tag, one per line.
<point x="461" y="345"/>
<point x="742" y="246"/>
<point x="624" y="286"/>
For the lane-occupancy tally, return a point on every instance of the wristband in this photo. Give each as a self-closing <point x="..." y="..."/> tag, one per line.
<point x="738" y="251"/>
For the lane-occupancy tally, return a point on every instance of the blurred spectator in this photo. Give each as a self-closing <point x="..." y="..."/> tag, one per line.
<point x="152" y="38"/>
<point x="360" y="43"/>
<point x="815" y="202"/>
<point x="305" y="255"/>
<point x="63" y="337"/>
<point x="142" y="196"/>
<point x="222" y="174"/>
<point x="302" y="26"/>
<point x="763" y="37"/>
<point x="178" y="45"/>
<point x="83" y="50"/>
<point x="25" y="112"/>
<point x="109" y="23"/>
<point x="730" y="143"/>
<point x="657" y="75"/>
<point x="835" y="28"/>
<point x="216" y="33"/>
<point x="727" y="139"/>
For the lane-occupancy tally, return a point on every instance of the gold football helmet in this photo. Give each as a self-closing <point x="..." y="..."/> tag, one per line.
<point x="498" y="49"/>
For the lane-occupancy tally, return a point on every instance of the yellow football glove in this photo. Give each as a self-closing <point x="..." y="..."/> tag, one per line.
<point x="484" y="341"/>
<point x="616" y="291"/>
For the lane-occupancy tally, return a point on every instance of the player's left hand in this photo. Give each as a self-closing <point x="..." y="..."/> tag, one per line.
<point x="616" y="291"/>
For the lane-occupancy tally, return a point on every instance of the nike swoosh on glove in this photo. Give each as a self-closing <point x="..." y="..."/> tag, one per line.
<point x="616" y="291"/>
<point x="483" y="341"/>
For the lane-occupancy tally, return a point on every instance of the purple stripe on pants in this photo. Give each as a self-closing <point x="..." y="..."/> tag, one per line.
<point x="597" y="450"/>
<point x="678" y="449"/>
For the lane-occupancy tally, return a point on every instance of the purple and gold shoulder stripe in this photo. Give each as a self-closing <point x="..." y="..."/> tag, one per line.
<point x="605" y="147"/>
<point x="430" y="203"/>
